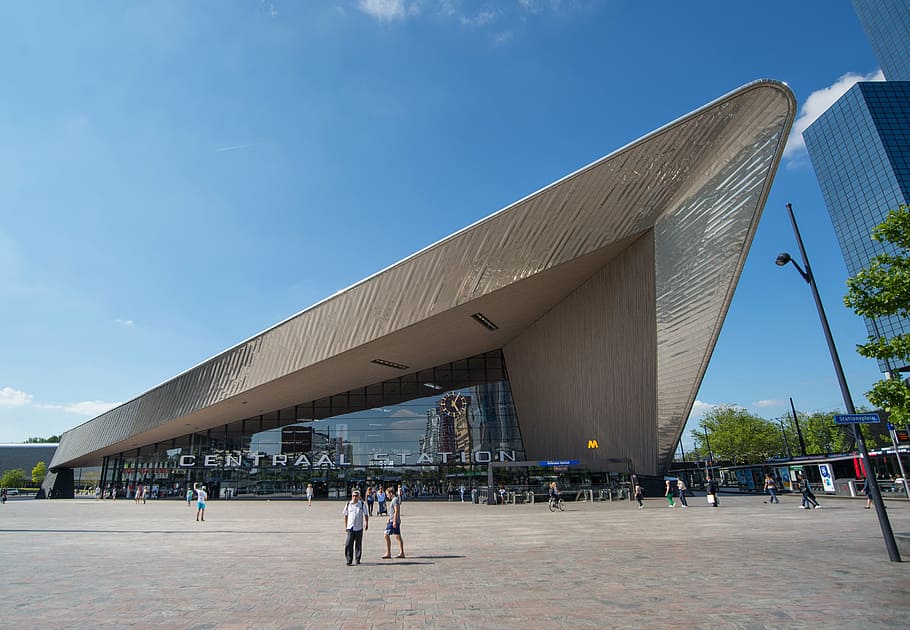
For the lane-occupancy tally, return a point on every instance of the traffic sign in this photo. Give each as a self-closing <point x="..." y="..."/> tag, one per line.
<point x="857" y="418"/>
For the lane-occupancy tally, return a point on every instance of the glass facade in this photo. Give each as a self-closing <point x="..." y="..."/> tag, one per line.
<point x="887" y="27"/>
<point x="860" y="149"/>
<point x="430" y="430"/>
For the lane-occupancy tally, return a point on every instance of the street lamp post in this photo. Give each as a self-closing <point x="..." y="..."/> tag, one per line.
<point x="710" y="459"/>
<point x="799" y="433"/>
<point x="806" y="274"/>
<point x="786" y="441"/>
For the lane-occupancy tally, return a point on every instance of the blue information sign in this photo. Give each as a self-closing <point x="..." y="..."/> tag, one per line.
<point x="857" y="418"/>
<point x="559" y="462"/>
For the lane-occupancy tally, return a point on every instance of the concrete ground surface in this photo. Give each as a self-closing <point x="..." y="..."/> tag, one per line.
<point x="280" y="564"/>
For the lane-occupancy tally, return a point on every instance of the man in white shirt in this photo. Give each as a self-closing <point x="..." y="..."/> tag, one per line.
<point x="356" y="521"/>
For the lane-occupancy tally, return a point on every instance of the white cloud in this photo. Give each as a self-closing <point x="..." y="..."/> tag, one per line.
<point x="448" y="7"/>
<point x="700" y="408"/>
<point x="768" y="403"/>
<point x="816" y="104"/>
<point x="90" y="408"/>
<point x="10" y="397"/>
<point x="128" y="323"/>
<point x="483" y="17"/>
<point x="388" y="10"/>
<point x="539" y="6"/>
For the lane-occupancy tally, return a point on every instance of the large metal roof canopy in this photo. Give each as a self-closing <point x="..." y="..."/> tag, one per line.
<point x="669" y="218"/>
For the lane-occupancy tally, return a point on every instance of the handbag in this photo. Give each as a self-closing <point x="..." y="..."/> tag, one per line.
<point x="711" y="499"/>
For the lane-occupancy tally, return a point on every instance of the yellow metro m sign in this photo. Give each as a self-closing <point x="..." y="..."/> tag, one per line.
<point x="593" y="444"/>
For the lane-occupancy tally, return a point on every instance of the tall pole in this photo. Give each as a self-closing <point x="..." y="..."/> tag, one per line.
<point x="710" y="459"/>
<point x="900" y="464"/>
<point x="883" y="521"/>
<point x="786" y="441"/>
<point x="799" y="433"/>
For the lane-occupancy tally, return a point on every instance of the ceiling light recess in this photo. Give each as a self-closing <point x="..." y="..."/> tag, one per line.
<point x="391" y="364"/>
<point x="483" y="321"/>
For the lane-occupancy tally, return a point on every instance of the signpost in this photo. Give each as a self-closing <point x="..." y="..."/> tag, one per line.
<point x="857" y="418"/>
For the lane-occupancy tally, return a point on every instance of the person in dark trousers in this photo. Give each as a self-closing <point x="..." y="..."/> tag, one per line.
<point x="356" y="521"/>
<point x="711" y="487"/>
<point x="639" y="495"/>
<point x="681" y="487"/>
<point x="771" y="488"/>
<point x="867" y="490"/>
<point x="809" y="500"/>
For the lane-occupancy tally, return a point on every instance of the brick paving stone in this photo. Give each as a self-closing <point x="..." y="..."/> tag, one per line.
<point x="279" y="565"/>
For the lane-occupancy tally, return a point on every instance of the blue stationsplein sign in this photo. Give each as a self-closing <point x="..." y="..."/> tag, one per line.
<point x="857" y="418"/>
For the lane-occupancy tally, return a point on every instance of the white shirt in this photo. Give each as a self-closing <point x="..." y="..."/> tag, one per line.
<point x="201" y="495"/>
<point x="355" y="513"/>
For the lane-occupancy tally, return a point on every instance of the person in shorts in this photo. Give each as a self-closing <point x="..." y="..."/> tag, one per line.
<point x="201" y="496"/>
<point x="393" y="527"/>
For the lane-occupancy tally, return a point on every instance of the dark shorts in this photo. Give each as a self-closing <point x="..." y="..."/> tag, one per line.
<point x="393" y="530"/>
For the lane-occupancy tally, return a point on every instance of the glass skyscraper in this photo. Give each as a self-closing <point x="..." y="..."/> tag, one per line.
<point x="887" y="27"/>
<point x="860" y="148"/>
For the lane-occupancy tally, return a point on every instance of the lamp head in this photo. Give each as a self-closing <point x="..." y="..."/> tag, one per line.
<point x="782" y="259"/>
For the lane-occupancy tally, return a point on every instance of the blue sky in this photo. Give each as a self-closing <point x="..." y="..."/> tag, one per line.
<point x="177" y="176"/>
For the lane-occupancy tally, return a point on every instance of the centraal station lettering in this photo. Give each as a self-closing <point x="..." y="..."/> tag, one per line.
<point x="257" y="460"/>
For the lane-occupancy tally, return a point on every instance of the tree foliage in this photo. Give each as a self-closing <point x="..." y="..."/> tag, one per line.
<point x="882" y="289"/>
<point x="54" y="439"/>
<point x="39" y="472"/>
<point x="735" y="435"/>
<point x="822" y="436"/>
<point x="13" y="478"/>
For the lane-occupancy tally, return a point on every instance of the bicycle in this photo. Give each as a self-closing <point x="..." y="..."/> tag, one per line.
<point x="556" y="503"/>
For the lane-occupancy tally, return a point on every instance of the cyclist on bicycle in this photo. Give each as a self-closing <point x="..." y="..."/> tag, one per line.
<point x="554" y="492"/>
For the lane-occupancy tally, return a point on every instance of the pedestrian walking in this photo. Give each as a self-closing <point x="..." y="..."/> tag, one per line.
<point x="309" y="494"/>
<point x="189" y="496"/>
<point x="356" y="521"/>
<point x="867" y="490"/>
<point x="711" y="487"/>
<point x="461" y="490"/>
<point x="393" y="527"/>
<point x="381" y="498"/>
<point x="639" y="495"/>
<point x="371" y="500"/>
<point x="771" y="489"/>
<point x="201" y="496"/>
<point x="669" y="494"/>
<point x="809" y="500"/>
<point x="681" y="488"/>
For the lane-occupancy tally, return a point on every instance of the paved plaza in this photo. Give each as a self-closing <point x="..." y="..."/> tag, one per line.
<point x="280" y="564"/>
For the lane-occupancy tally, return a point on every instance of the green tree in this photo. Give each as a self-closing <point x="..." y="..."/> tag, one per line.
<point x="13" y="478"/>
<point x="822" y="436"/>
<point x="54" y="439"/>
<point x="882" y="289"/>
<point x="738" y="436"/>
<point x="39" y="472"/>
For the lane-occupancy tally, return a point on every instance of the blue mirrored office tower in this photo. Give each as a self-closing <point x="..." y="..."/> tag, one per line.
<point x="860" y="148"/>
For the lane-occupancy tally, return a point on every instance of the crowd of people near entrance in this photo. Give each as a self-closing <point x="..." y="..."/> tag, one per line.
<point x="377" y="499"/>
